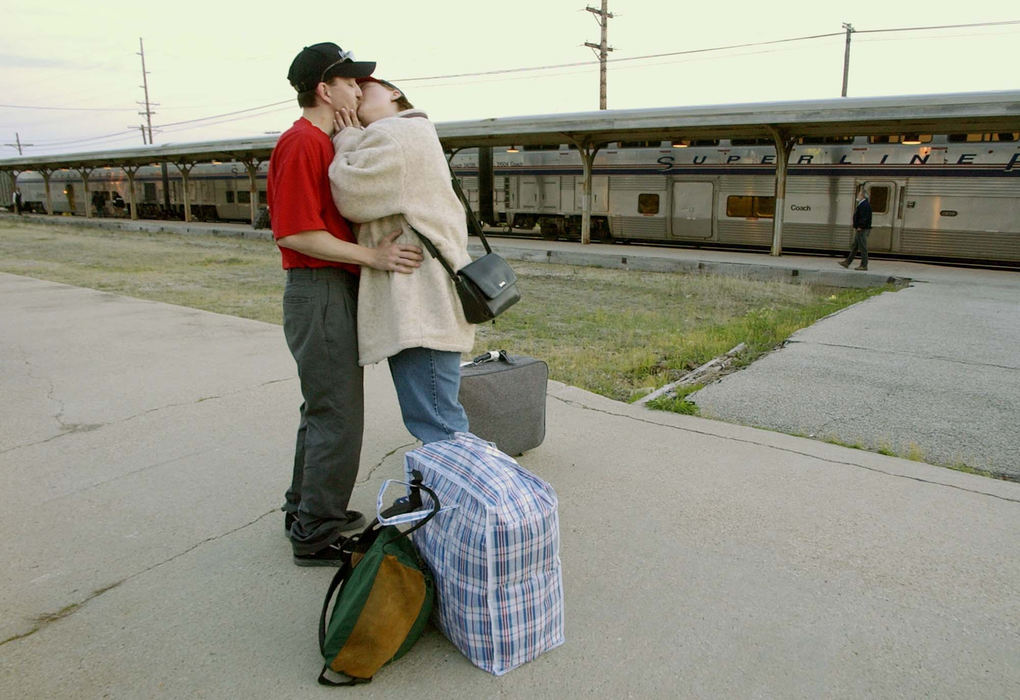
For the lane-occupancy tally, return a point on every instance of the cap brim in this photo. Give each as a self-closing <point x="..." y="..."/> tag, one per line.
<point x="352" y="69"/>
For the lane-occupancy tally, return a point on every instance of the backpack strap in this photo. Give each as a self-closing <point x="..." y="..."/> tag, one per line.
<point x="337" y="684"/>
<point x="340" y="577"/>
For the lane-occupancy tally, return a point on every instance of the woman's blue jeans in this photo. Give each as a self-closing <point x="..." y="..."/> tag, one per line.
<point x="428" y="385"/>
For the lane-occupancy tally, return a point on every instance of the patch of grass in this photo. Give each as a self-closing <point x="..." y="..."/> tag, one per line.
<point x="915" y="453"/>
<point x="612" y="332"/>
<point x="884" y="448"/>
<point x="618" y="332"/>
<point x="842" y="443"/>
<point x="232" y="276"/>
<point x="966" y="468"/>
<point x="677" y="403"/>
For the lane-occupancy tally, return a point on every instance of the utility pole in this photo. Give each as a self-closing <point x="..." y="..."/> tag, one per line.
<point x="18" y="144"/>
<point x="846" y="56"/>
<point x="142" y="127"/>
<point x="602" y="17"/>
<point x="145" y="86"/>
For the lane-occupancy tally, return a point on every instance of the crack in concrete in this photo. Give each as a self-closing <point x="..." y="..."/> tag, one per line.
<point x="371" y="472"/>
<point x="72" y="428"/>
<point x="123" y="475"/>
<point x="578" y="404"/>
<point x="941" y="358"/>
<point x="46" y="619"/>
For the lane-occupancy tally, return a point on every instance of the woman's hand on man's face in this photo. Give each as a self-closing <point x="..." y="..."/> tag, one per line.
<point x="345" y="117"/>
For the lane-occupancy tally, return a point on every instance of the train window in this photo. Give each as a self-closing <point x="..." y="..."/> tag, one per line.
<point x="648" y="204"/>
<point x="705" y="142"/>
<point x="738" y="205"/>
<point x="542" y="147"/>
<point x="149" y="193"/>
<point x="243" y="197"/>
<point x="230" y="196"/>
<point x="263" y="197"/>
<point x="901" y="138"/>
<point x="640" y="144"/>
<point x="826" y="140"/>
<point x="878" y="195"/>
<point x="765" y="207"/>
<point x="974" y="138"/>
<point x="747" y="207"/>
<point x="750" y="142"/>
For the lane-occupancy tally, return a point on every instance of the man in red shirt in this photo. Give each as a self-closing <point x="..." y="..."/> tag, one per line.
<point x="323" y="261"/>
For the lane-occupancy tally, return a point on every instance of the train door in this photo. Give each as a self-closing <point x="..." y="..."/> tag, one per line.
<point x="599" y="194"/>
<point x="540" y="193"/>
<point x="69" y="193"/>
<point x="886" y="216"/>
<point x="550" y="194"/>
<point x="692" y="210"/>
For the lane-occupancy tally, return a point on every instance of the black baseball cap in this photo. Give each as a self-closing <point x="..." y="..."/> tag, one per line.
<point x="321" y="62"/>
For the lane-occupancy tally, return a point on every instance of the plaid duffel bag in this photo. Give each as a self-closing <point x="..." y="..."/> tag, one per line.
<point x="494" y="552"/>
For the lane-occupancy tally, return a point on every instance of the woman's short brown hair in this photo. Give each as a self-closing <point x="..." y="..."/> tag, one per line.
<point x="402" y="101"/>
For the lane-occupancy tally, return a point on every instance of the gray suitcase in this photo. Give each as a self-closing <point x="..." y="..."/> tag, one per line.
<point x="504" y="398"/>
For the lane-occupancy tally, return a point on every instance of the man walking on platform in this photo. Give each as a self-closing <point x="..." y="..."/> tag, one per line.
<point x="862" y="227"/>
<point x="323" y="263"/>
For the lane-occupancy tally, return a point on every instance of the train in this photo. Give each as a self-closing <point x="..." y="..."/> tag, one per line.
<point x="949" y="197"/>
<point x="217" y="192"/>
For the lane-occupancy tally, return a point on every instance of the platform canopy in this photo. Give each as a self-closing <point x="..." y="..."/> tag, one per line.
<point x="202" y="152"/>
<point x="865" y="116"/>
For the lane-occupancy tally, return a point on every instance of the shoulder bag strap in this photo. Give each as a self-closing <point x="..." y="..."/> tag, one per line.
<point x="434" y="252"/>
<point x="474" y="224"/>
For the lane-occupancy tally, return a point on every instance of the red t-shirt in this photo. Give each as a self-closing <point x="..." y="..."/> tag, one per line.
<point x="297" y="191"/>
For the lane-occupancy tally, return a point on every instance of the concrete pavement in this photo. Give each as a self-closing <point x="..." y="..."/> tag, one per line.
<point x="932" y="370"/>
<point x="145" y="448"/>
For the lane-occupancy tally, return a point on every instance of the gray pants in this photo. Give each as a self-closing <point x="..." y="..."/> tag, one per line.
<point x="860" y="245"/>
<point x="320" y="324"/>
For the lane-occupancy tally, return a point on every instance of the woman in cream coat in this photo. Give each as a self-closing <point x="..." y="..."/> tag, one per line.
<point x="390" y="173"/>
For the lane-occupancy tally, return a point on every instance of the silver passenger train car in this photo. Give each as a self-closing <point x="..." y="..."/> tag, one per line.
<point x="216" y="191"/>
<point x="942" y="196"/>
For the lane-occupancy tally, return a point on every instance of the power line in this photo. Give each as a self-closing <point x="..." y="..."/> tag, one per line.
<point x="226" y="114"/>
<point x="69" y="109"/>
<point x="695" y="51"/>
<point x="943" y="26"/>
<point x="503" y="72"/>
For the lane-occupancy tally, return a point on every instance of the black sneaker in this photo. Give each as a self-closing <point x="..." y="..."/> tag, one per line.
<point x="330" y="555"/>
<point x="355" y="521"/>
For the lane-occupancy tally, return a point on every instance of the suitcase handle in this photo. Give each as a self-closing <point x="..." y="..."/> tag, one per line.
<point x="490" y="356"/>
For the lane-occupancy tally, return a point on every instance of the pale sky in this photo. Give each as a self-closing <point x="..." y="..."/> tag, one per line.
<point x="71" y="76"/>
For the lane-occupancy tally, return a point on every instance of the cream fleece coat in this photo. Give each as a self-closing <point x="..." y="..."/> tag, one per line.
<point x="385" y="176"/>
